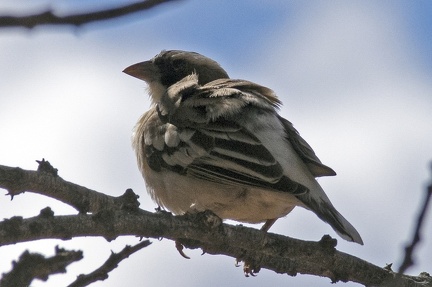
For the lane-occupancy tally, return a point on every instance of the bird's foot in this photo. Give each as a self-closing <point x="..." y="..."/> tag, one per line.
<point x="250" y="268"/>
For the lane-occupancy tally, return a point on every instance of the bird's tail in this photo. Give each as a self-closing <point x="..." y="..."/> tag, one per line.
<point x="323" y="208"/>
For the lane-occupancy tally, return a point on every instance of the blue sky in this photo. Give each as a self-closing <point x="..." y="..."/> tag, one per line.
<point x="354" y="77"/>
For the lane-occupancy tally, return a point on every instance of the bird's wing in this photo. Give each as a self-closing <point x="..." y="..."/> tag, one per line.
<point x="202" y="137"/>
<point x="305" y="151"/>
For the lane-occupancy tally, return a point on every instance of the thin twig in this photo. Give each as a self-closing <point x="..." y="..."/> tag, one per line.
<point x="408" y="260"/>
<point x="110" y="264"/>
<point x="50" y="18"/>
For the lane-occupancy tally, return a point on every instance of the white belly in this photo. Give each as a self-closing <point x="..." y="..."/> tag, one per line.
<point x="180" y="194"/>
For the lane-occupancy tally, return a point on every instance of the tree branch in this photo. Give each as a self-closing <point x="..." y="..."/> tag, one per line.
<point x="32" y="265"/>
<point x="50" y="18"/>
<point x="112" y="262"/>
<point x="16" y="180"/>
<point x="271" y="251"/>
<point x="120" y="216"/>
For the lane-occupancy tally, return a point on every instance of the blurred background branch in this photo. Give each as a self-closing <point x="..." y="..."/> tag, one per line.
<point x="32" y="266"/>
<point x="51" y="18"/>
<point x="408" y="260"/>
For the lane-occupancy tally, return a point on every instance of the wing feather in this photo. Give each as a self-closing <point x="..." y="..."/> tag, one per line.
<point x="202" y="138"/>
<point x="305" y="151"/>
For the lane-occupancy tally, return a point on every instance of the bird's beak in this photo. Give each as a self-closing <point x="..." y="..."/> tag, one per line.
<point x="145" y="71"/>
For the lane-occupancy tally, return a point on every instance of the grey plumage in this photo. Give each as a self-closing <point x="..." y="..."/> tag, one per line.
<point x="211" y="142"/>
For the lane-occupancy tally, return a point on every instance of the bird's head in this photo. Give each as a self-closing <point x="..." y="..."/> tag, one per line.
<point x="169" y="67"/>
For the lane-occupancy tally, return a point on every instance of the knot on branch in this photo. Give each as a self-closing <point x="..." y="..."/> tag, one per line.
<point x="129" y="200"/>
<point x="45" y="166"/>
<point x="46" y="213"/>
<point x="328" y="243"/>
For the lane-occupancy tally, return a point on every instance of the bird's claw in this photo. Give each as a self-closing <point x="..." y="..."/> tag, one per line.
<point x="179" y="248"/>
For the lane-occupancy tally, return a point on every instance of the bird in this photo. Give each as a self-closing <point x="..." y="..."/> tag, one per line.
<point x="209" y="142"/>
